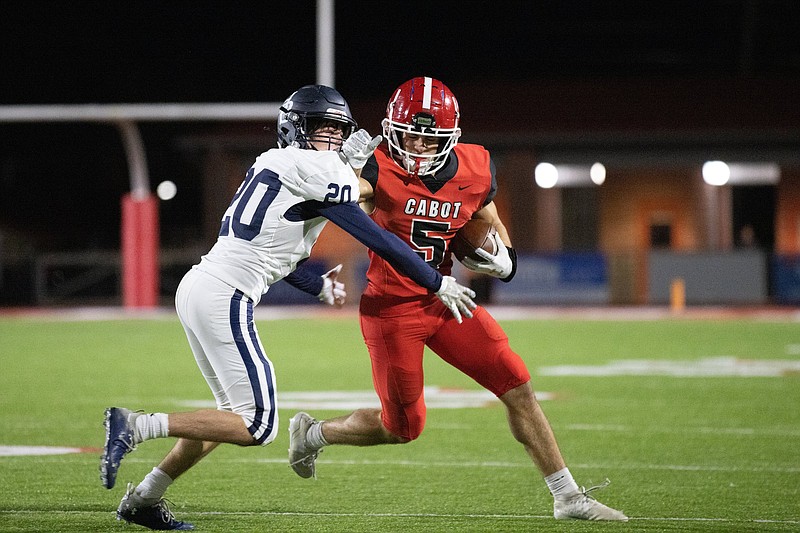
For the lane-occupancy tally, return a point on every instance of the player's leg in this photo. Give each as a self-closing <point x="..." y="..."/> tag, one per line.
<point x="221" y="332"/>
<point x="362" y="427"/>
<point x="229" y="353"/>
<point x="479" y="347"/>
<point x="125" y="429"/>
<point x="144" y="503"/>
<point x="185" y="454"/>
<point x="530" y="427"/>
<point x="396" y="346"/>
<point x="219" y="327"/>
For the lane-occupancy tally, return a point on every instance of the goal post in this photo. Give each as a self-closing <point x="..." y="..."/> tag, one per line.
<point x="139" y="251"/>
<point x="139" y="224"/>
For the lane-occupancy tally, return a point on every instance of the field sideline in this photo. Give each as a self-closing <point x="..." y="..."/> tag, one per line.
<point x="265" y="312"/>
<point x="693" y="417"/>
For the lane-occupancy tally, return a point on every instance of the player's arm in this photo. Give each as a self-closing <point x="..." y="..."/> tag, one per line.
<point x="354" y="221"/>
<point x="366" y="197"/>
<point x="326" y="287"/>
<point x="489" y="214"/>
<point x="503" y="264"/>
<point x="390" y="247"/>
<point x="365" y="190"/>
<point x="301" y="278"/>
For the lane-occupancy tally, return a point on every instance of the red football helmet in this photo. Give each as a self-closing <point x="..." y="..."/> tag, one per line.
<point x="422" y="106"/>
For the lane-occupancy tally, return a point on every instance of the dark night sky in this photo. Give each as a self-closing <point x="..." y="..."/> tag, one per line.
<point x="62" y="180"/>
<point x="201" y="51"/>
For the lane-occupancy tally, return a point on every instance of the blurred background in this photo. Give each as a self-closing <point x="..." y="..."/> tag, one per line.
<point x="648" y="153"/>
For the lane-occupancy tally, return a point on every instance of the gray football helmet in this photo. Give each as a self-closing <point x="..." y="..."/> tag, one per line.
<point x="308" y="108"/>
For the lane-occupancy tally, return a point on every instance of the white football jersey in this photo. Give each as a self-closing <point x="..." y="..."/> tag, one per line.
<point x="270" y="225"/>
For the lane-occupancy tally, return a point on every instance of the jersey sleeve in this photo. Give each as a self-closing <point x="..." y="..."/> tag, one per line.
<point x="493" y="187"/>
<point x="324" y="177"/>
<point x="389" y="246"/>
<point x="370" y="171"/>
<point x="305" y="280"/>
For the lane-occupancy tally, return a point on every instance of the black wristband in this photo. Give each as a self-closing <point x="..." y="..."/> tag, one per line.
<point x="513" y="255"/>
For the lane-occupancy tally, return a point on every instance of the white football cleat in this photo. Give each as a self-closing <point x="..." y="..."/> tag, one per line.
<point x="581" y="506"/>
<point x="302" y="458"/>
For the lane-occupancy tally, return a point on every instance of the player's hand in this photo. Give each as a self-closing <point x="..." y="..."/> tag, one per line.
<point x="332" y="292"/>
<point x="457" y="298"/>
<point x="357" y="149"/>
<point x="498" y="265"/>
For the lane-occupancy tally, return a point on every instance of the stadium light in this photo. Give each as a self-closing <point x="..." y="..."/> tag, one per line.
<point x="754" y="173"/>
<point x="166" y="190"/>
<point x="716" y="173"/>
<point x="549" y="175"/>
<point x="721" y="173"/>
<point x="546" y="175"/>
<point x="597" y="173"/>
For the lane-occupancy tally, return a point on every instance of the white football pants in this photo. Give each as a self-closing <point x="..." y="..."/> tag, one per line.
<point x="218" y="320"/>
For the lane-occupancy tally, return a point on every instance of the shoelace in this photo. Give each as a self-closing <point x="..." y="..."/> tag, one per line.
<point x="129" y="446"/>
<point x="601" y="486"/>
<point x="309" y="459"/>
<point x="103" y="464"/>
<point x="163" y="507"/>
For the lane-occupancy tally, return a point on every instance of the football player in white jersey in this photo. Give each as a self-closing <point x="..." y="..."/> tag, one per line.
<point x="272" y="223"/>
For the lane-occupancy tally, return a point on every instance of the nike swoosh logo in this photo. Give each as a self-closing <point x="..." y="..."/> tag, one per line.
<point x="460" y="188"/>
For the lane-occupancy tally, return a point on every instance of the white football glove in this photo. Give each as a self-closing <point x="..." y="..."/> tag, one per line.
<point x="332" y="292"/>
<point x="357" y="149"/>
<point x="457" y="298"/>
<point x="498" y="265"/>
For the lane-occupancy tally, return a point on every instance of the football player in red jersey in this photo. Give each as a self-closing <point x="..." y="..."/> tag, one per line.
<point x="422" y="185"/>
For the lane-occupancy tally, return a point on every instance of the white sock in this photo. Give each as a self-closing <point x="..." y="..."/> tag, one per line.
<point x="152" y="488"/>
<point x="561" y="484"/>
<point x="314" y="438"/>
<point x="149" y="426"/>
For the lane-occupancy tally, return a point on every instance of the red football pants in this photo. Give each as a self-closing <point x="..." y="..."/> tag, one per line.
<point x="396" y="335"/>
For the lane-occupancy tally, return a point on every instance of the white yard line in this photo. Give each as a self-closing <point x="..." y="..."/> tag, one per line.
<point x="716" y="366"/>
<point x="435" y="398"/>
<point x="514" y="465"/>
<point x="491" y="516"/>
<point x="13" y="451"/>
<point x="621" y="428"/>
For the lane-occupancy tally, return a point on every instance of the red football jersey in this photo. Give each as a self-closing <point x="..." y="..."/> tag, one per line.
<point x="426" y="220"/>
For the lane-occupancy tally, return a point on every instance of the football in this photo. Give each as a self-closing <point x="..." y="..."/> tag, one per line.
<point x="473" y="235"/>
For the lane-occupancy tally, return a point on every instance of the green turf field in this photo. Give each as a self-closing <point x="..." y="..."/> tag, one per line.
<point x="696" y="423"/>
